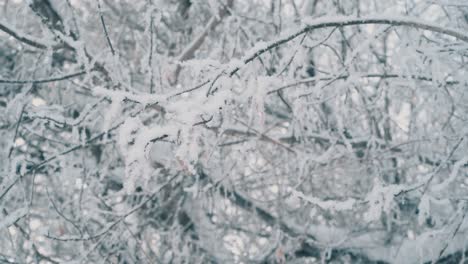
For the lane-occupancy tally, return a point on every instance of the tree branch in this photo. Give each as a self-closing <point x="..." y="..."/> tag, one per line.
<point x="53" y="79"/>
<point x="351" y="21"/>
<point x="26" y="40"/>
<point x="105" y="28"/>
<point x="189" y="51"/>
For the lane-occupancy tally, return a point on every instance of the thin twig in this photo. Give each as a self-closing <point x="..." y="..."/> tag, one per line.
<point x="67" y="151"/>
<point x="61" y="213"/>
<point x="438" y="168"/>
<point x="454" y="233"/>
<point x="53" y="79"/>
<point x="121" y="218"/>
<point x="189" y="90"/>
<point x="292" y="57"/>
<point x="343" y="77"/>
<point x="150" y="59"/>
<point x="190" y="50"/>
<point x="103" y="23"/>
<point x="16" y="130"/>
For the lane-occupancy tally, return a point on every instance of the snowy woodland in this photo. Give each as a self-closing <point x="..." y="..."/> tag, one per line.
<point x="233" y="131"/>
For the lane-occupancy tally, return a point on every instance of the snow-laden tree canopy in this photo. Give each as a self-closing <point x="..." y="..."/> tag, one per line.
<point x="222" y="131"/>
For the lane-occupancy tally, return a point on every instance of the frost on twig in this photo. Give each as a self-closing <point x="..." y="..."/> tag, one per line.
<point x="233" y="131"/>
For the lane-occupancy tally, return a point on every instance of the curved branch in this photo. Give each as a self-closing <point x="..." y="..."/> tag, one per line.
<point x="351" y="21"/>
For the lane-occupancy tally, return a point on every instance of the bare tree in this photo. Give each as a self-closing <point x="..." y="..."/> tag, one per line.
<point x="282" y="131"/>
